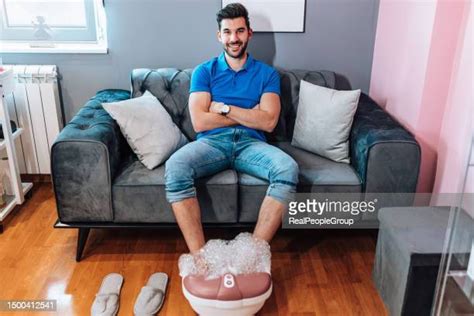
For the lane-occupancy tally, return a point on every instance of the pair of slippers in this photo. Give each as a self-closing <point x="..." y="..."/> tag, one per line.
<point x="148" y="302"/>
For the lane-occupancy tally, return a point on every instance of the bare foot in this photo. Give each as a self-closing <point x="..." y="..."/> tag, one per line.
<point x="200" y="263"/>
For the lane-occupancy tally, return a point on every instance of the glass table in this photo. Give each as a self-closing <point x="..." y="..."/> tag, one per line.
<point x="455" y="285"/>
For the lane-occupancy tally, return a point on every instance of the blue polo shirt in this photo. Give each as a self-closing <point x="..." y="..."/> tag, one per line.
<point x="242" y="88"/>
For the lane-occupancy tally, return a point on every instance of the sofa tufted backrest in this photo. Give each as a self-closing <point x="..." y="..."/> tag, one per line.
<point x="171" y="87"/>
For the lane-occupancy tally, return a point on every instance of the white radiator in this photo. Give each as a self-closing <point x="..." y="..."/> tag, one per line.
<point x="35" y="107"/>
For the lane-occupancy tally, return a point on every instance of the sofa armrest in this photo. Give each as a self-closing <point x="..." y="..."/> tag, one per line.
<point x="384" y="154"/>
<point x="84" y="160"/>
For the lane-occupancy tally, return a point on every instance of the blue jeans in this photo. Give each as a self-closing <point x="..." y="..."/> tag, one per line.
<point x="235" y="149"/>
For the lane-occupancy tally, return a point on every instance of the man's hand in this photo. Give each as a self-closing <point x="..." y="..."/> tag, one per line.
<point x="204" y="115"/>
<point x="263" y="116"/>
<point x="216" y="107"/>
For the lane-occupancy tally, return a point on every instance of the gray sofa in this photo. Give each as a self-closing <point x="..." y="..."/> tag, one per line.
<point x="98" y="181"/>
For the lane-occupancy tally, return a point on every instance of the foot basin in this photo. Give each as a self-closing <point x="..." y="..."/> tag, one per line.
<point x="228" y="295"/>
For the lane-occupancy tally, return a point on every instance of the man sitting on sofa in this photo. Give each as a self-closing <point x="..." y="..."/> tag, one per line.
<point x="233" y="100"/>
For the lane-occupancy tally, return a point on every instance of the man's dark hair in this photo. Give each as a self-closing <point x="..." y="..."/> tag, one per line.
<point x="233" y="11"/>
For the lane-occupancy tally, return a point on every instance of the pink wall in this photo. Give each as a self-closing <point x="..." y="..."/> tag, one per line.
<point x="414" y="54"/>
<point x="401" y="51"/>
<point x="457" y="127"/>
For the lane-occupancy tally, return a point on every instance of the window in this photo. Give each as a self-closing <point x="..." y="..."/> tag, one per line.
<point x="57" y="26"/>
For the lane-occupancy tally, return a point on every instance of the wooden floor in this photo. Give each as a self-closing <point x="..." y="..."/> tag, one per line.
<point x="314" y="272"/>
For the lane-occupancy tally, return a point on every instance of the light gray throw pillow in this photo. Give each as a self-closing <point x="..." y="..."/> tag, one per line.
<point x="323" y="121"/>
<point x="148" y="128"/>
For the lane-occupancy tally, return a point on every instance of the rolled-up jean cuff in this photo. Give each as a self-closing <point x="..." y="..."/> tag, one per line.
<point x="283" y="193"/>
<point x="178" y="196"/>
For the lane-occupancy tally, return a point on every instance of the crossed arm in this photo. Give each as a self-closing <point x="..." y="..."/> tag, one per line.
<point x="204" y="116"/>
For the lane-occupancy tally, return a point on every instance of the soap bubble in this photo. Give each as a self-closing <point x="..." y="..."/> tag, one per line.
<point x="242" y="255"/>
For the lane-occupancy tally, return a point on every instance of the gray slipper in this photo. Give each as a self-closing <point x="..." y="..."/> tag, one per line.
<point x="152" y="295"/>
<point x="106" y="301"/>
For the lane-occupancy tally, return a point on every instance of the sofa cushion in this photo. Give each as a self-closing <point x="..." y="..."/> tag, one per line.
<point x="324" y="121"/>
<point x="171" y="87"/>
<point x="139" y="196"/>
<point x="290" y="86"/>
<point x="314" y="170"/>
<point x="148" y="128"/>
<point x="317" y="174"/>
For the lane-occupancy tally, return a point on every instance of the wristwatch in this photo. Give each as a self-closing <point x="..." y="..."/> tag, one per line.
<point x="225" y="109"/>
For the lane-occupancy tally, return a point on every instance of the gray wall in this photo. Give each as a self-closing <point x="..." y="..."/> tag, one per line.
<point x="339" y="36"/>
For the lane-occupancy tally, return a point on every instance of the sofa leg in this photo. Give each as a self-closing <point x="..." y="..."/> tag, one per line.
<point x="81" y="242"/>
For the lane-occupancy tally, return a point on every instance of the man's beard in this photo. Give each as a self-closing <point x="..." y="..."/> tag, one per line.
<point x="239" y="54"/>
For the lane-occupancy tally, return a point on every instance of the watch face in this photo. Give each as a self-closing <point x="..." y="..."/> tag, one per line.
<point x="225" y="109"/>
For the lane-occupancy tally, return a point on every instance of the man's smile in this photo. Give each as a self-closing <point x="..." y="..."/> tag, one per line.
<point x="235" y="46"/>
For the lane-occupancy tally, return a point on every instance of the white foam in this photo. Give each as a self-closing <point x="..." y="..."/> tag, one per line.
<point x="242" y="255"/>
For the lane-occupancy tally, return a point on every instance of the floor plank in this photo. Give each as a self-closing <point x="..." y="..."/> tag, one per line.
<point x="314" y="272"/>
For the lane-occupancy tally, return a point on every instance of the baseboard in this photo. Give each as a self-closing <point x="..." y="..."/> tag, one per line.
<point x="36" y="178"/>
